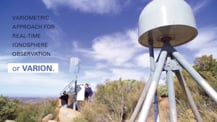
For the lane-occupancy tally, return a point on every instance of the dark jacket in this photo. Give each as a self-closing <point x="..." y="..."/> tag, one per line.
<point x="88" y="92"/>
<point x="64" y="99"/>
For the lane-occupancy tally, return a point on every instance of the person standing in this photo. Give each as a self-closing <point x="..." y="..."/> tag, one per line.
<point x="88" y="92"/>
<point x="64" y="99"/>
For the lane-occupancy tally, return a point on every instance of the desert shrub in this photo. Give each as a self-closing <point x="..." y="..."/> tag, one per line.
<point x="35" y="112"/>
<point x="7" y="109"/>
<point x="162" y="91"/>
<point x="28" y="112"/>
<point x="206" y="66"/>
<point x="48" y="107"/>
<point x="113" y="102"/>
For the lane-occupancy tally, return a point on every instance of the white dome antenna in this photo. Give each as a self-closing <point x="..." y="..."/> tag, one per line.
<point x="165" y="24"/>
<point x="167" y="18"/>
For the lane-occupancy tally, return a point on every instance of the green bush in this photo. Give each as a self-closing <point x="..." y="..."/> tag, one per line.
<point x="162" y="91"/>
<point x="25" y="112"/>
<point x="113" y="102"/>
<point x="206" y="66"/>
<point x="35" y="112"/>
<point x="7" y="109"/>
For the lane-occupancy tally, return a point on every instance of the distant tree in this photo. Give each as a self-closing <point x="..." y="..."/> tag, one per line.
<point x="206" y="63"/>
<point x="7" y="109"/>
<point x="124" y="93"/>
<point x="206" y="66"/>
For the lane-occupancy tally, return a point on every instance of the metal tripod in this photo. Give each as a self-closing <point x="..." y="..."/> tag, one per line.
<point x="169" y="60"/>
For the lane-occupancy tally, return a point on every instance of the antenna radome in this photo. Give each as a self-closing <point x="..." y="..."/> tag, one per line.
<point x="166" y="18"/>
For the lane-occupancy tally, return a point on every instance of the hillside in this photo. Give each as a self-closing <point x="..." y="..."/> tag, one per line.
<point x="114" y="101"/>
<point x="32" y="100"/>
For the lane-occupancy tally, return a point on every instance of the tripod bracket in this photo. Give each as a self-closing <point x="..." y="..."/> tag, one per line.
<point x="171" y="65"/>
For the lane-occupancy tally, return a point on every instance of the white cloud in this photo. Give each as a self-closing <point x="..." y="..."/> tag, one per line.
<point x="128" y="74"/>
<point x="4" y="60"/>
<point x="117" y="48"/>
<point x="208" y="51"/>
<point x="205" y="43"/>
<point x="133" y="36"/>
<point x="93" y="74"/>
<point x="3" y="57"/>
<point x="24" y="84"/>
<point x="55" y="35"/>
<point x="116" y="55"/>
<point x="88" y="6"/>
<point x="199" y="5"/>
<point x="4" y="66"/>
<point x="94" y="77"/>
<point x="143" y="60"/>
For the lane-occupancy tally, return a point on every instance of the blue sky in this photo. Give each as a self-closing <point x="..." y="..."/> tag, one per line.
<point x="101" y="33"/>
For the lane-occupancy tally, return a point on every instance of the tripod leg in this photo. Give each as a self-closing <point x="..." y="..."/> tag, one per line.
<point x="152" y="67"/>
<point x="188" y="94"/>
<point x="209" y="90"/>
<point x="171" y="93"/>
<point x="140" y="101"/>
<point x="145" y="90"/>
<point x="153" y="86"/>
<point x="156" y="109"/>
